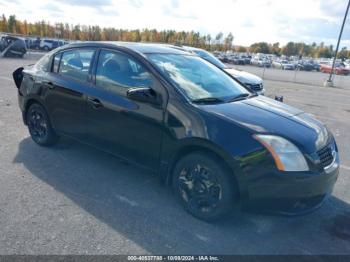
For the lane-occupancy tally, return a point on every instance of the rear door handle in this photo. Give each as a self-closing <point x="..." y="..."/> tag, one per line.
<point x="31" y="77"/>
<point x="95" y="102"/>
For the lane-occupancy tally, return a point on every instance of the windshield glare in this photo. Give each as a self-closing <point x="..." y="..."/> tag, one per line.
<point x="196" y="77"/>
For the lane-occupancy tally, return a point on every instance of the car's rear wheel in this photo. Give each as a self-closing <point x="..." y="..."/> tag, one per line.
<point x="39" y="126"/>
<point x="204" y="186"/>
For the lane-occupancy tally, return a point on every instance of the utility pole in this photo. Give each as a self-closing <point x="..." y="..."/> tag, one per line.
<point x="329" y="82"/>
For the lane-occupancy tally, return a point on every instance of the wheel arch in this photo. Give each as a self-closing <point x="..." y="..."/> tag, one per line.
<point x="30" y="102"/>
<point x="207" y="147"/>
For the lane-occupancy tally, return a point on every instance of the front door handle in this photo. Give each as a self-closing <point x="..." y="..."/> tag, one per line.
<point x="95" y="102"/>
<point x="49" y="84"/>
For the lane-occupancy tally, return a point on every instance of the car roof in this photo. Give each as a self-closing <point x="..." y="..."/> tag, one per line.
<point x="142" y="48"/>
<point x="190" y="47"/>
<point x="12" y="37"/>
<point x="187" y="48"/>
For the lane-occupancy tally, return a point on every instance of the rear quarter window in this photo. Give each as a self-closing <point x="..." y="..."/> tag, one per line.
<point x="44" y="63"/>
<point x="56" y="62"/>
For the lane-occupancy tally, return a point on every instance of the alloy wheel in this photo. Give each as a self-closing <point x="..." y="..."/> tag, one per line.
<point x="199" y="188"/>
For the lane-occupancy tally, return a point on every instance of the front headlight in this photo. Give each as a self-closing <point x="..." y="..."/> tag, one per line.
<point x="286" y="155"/>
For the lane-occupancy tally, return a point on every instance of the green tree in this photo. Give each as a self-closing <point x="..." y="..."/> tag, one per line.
<point x="228" y="41"/>
<point x="218" y="40"/>
<point x="290" y="49"/>
<point x="76" y="32"/>
<point x="343" y="53"/>
<point x="208" y="41"/>
<point x="11" y="24"/>
<point x="261" y="47"/>
<point x="241" y="49"/>
<point x="3" y="24"/>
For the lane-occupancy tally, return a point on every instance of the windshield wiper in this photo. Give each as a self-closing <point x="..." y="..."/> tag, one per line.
<point x="206" y="100"/>
<point x="240" y="97"/>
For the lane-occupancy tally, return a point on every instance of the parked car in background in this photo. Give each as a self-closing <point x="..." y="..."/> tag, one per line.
<point x="223" y="58"/>
<point x="213" y="141"/>
<point x="247" y="59"/>
<point x="316" y="65"/>
<point x="283" y="64"/>
<point x="33" y="43"/>
<point x="12" y="46"/>
<point x="308" y="65"/>
<point x="347" y="63"/>
<point x="236" y="60"/>
<point x="339" y="69"/>
<point x="46" y="44"/>
<point x="304" y="65"/>
<point x="56" y="44"/>
<point x="253" y="82"/>
<point x="49" y="44"/>
<point x="260" y="61"/>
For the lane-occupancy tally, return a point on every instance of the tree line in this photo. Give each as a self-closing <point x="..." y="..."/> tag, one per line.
<point x="96" y="33"/>
<point x="300" y="49"/>
<point x="220" y="42"/>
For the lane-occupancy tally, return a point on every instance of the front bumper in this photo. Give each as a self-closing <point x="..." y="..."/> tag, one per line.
<point x="291" y="194"/>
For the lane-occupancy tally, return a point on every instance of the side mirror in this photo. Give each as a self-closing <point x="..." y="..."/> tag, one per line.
<point x="142" y="94"/>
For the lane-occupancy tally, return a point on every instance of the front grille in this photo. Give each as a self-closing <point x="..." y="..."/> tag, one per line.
<point x="255" y="87"/>
<point x="325" y="155"/>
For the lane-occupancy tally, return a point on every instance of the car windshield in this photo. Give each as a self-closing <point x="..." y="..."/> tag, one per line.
<point x="209" y="57"/>
<point x="197" y="78"/>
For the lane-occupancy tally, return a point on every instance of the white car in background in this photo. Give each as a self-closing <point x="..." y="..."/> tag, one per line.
<point x="284" y="64"/>
<point x="347" y="63"/>
<point x="260" y="61"/>
<point x="46" y="44"/>
<point x="253" y="82"/>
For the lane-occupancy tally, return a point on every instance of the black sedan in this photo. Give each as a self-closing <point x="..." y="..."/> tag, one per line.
<point x="307" y="66"/>
<point x="213" y="140"/>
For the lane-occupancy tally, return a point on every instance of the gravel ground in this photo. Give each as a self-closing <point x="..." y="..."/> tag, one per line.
<point x="73" y="199"/>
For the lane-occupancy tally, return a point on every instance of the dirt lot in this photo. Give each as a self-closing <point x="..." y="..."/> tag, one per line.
<point x="73" y="199"/>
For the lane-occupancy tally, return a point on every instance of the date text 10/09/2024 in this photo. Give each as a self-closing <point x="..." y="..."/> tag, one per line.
<point x="173" y="258"/>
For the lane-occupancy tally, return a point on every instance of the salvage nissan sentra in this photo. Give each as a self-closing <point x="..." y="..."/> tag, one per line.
<point x="217" y="143"/>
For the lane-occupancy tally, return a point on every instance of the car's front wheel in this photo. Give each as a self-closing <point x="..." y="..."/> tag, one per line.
<point x="204" y="186"/>
<point x="39" y="126"/>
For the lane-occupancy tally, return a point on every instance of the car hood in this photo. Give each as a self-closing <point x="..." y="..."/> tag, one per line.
<point x="244" y="77"/>
<point x="264" y="115"/>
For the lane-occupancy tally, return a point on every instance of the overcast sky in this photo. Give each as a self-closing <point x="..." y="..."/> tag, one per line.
<point x="249" y="20"/>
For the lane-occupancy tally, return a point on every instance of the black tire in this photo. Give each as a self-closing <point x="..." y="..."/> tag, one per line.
<point x="39" y="126"/>
<point x="210" y="199"/>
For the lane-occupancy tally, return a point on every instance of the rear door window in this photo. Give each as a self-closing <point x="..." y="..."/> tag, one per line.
<point x="76" y="63"/>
